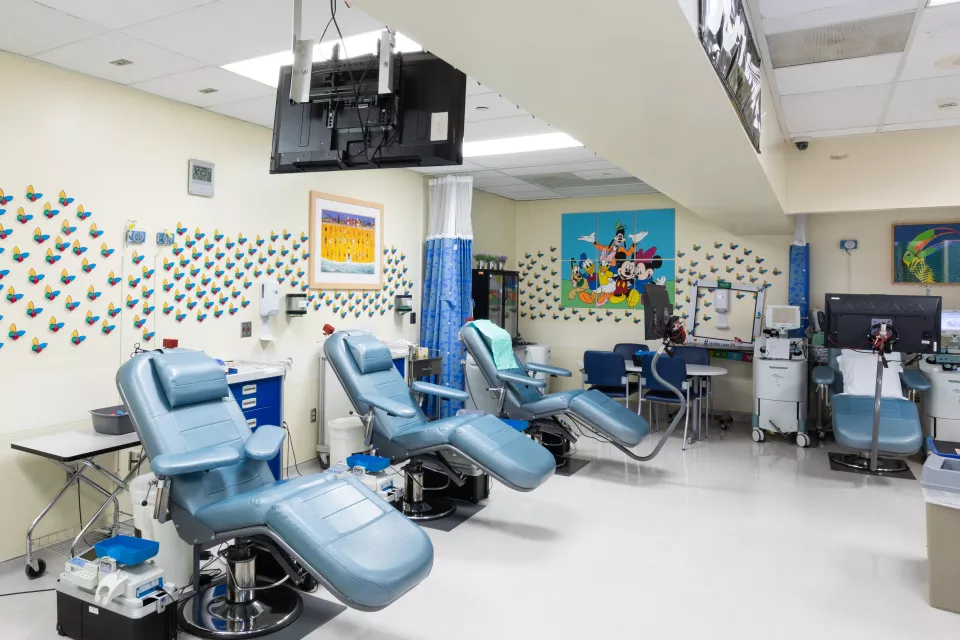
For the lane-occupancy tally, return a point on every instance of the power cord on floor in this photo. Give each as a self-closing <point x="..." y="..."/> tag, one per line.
<point x="23" y="593"/>
<point x="290" y="449"/>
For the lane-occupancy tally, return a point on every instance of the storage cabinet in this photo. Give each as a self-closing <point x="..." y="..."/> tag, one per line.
<point x="258" y="390"/>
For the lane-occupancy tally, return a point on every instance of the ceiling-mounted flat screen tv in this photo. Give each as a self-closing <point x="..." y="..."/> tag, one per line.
<point x="726" y="37"/>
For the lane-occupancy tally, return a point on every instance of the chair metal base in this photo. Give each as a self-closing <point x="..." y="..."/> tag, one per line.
<point x="209" y="614"/>
<point x="856" y="463"/>
<point x="416" y="506"/>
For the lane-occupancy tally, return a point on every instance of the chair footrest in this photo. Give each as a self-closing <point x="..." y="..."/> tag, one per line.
<point x="610" y="418"/>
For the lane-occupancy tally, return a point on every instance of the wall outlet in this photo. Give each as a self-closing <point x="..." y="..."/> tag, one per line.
<point x="413" y="317"/>
<point x="246" y="329"/>
<point x="848" y="245"/>
<point x="313" y="415"/>
<point x="136" y="237"/>
<point x="164" y="238"/>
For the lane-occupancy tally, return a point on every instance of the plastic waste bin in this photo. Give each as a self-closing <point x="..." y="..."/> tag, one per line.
<point x="941" y="490"/>
<point x="175" y="556"/>
<point x="346" y="438"/>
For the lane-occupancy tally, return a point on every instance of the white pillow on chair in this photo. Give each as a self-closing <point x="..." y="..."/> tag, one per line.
<point x="859" y="370"/>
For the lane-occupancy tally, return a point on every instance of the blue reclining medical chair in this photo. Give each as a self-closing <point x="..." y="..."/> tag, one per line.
<point x="397" y="427"/>
<point x="520" y="396"/>
<point x="214" y="482"/>
<point x="900" y="435"/>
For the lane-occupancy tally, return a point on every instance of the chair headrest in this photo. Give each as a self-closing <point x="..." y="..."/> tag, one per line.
<point x="189" y="377"/>
<point x="370" y="354"/>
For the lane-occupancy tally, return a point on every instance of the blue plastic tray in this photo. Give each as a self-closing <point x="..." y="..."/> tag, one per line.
<point x="127" y="549"/>
<point x="373" y="464"/>
<point x="519" y="425"/>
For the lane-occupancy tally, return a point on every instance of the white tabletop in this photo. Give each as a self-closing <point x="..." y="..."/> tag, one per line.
<point x="248" y="370"/>
<point x="693" y="370"/>
<point x="68" y="446"/>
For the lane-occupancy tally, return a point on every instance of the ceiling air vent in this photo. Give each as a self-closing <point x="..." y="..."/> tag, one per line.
<point x="886" y="34"/>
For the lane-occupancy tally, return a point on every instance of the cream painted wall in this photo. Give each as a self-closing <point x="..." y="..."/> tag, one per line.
<point x="538" y="227"/>
<point x="123" y="155"/>
<point x="882" y="171"/>
<point x="494" y="226"/>
<point x="869" y="268"/>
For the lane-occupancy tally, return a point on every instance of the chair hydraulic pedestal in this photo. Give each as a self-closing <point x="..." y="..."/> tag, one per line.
<point x="416" y="505"/>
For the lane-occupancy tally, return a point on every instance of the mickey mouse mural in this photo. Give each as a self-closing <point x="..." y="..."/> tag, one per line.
<point x="611" y="256"/>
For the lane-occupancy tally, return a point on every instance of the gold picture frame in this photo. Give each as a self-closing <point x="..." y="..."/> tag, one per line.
<point x="346" y="242"/>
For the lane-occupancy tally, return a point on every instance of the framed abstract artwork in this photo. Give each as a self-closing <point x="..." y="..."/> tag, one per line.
<point x="926" y="253"/>
<point x="346" y="238"/>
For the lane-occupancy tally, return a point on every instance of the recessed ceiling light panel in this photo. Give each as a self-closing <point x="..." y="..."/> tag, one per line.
<point x="542" y="142"/>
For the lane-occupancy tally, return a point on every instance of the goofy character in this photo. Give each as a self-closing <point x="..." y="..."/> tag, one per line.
<point x="617" y="249"/>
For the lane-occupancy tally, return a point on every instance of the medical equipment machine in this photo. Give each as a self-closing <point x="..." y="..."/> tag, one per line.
<point x="216" y="485"/>
<point x="101" y="599"/>
<point x="398" y="429"/>
<point x="878" y="430"/>
<point x="780" y="378"/>
<point x="950" y="328"/>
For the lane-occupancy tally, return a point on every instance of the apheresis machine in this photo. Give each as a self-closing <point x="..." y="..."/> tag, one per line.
<point x="780" y="378"/>
<point x="941" y="403"/>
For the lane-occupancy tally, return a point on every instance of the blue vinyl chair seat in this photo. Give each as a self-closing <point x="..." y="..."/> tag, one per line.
<point x="352" y="541"/>
<point x="610" y="392"/>
<point x="853" y="424"/>
<point x="667" y="397"/>
<point x="363" y="365"/>
<point x="525" y="402"/>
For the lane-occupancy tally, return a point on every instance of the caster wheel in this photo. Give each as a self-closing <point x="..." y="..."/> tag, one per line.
<point x="803" y="440"/>
<point x="324" y="460"/>
<point x="758" y="435"/>
<point x="41" y="568"/>
<point x="60" y="630"/>
<point x="689" y="440"/>
<point x="822" y="434"/>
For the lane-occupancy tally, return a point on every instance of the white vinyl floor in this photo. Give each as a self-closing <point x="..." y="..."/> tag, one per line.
<point x="730" y="539"/>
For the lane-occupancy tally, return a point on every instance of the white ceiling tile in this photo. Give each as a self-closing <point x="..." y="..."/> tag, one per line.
<point x="535" y="158"/>
<point x="546" y="194"/>
<point x="488" y="106"/>
<point x="935" y="50"/>
<point x="523" y="187"/>
<point x="514" y="127"/>
<point x="258" y="110"/>
<point x="525" y="192"/>
<point x="235" y="30"/>
<point x="475" y="88"/>
<point x="602" y="174"/>
<point x="185" y="87"/>
<point x="839" y="109"/>
<point x="502" y="181"/>
<point x="837" y="74"/>
<point x="117" y="14"/>
<point x="28" y="28"/>
<point x="916" y="101"/>
<point x="836" y="133"/>
<point x="794" y="15"/>
<point x="93" y="55"/>
<point x="567" y="167"/>
<point x="932" y="124"/>
<point x="616" y="189"/>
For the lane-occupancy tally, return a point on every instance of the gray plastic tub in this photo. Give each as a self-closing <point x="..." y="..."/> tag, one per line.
<point x="107" y="421"/>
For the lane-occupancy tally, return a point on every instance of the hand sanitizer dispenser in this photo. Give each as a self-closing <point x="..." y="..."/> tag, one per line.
<point x="269" y="306"/>
<point x="721" y="305"/>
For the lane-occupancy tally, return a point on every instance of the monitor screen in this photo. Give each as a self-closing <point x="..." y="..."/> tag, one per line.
<point x="950" y="321"/>
<point x="849" y="317"/>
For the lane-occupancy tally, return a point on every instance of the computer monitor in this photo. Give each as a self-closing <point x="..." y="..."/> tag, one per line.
<point x="849" y="317"/>
<point x="656" y="311"/>
<point x="782" y="317"/>
<point x="950" y="322"/>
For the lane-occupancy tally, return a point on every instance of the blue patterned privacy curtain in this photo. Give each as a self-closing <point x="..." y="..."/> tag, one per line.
<point x="799" y="287"/>
<point x="447" y="295"/>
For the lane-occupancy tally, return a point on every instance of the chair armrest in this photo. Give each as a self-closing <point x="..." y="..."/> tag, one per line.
<point x="519" y="378"/>
<point x="823" y="375"/>
<point x="176" y="464"/>
<point x="265" y="442"/>
<point x="546" y="368"/>
<point x="440" y="391"/>
<point x="392" y="407"/>
<point x="914" y="380"/>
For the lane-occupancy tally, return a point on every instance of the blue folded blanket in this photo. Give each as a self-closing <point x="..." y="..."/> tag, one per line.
<point x="500" y="343"/>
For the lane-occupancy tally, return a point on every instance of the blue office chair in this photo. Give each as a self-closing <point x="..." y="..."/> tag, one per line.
<point x="606" y="372"/>
<point x="520" y="396"/>
<point x="214" y="482"/>
<point x="398" y="428"/>
<point x="674" y="372"/>
<point x="900" y="435"/>
<point x="627" y="349"/>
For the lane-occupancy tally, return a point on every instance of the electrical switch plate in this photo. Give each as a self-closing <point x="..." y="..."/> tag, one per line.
<point x="246" y="329"/>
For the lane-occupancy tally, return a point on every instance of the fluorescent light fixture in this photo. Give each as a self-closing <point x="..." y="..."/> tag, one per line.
<point x="935" y="3"/>
<point x="542" y="142"/>
<point x="266" y="69"/>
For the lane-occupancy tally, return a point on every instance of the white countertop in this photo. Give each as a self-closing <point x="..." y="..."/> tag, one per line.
<point x="76" y="444"/>
<point x="251" y="370"/>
